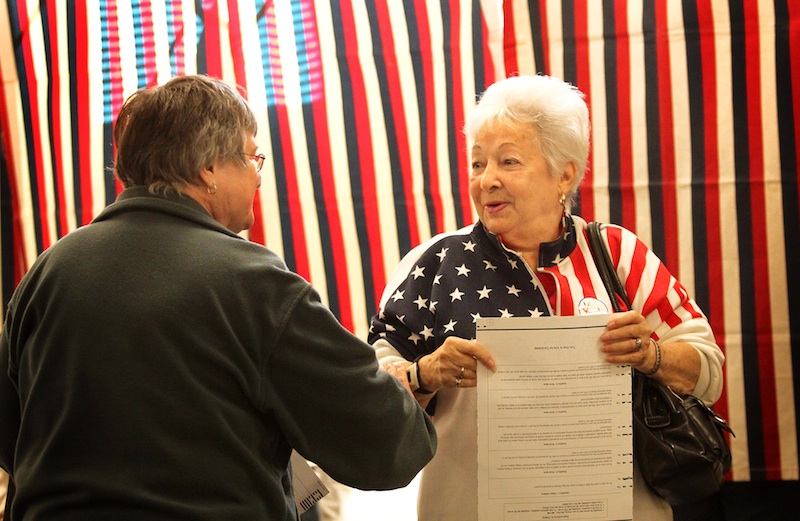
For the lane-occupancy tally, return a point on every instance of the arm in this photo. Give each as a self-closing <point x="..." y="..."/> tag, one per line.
<point x="338" y="409"/>
<point x="691" y="361"/>
<point x="453" y="364"/>
<point x="680" y="363"/>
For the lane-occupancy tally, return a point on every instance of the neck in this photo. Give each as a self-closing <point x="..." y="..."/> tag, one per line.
<point x="199" y="194"/>
<point x="529" y="254"/>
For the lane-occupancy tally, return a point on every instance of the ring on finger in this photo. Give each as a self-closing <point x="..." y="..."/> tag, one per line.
<point x="638" y="343"/>
<point x="458" y="382"/>
<point x="462" y="372"/>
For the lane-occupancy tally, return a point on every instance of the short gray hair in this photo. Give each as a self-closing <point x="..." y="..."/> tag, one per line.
<point x="167" y="135"/>
<point x="555" y="109"/>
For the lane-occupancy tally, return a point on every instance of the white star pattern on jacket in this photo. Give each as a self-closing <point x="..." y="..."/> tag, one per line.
<point x="475" y="276"/>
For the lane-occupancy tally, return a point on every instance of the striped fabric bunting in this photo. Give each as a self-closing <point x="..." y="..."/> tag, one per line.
<point x="695" y="107"/>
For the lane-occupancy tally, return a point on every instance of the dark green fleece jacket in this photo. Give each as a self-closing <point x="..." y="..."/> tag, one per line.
<point x="154" y="365"/>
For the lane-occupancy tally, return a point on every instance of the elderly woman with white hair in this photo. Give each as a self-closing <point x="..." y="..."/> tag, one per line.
<point x="528" y="256"/>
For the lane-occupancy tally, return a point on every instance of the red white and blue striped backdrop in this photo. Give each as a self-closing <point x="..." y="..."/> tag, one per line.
<point x="696" y="134"/>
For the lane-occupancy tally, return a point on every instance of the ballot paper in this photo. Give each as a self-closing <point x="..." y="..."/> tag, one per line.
<point x="554" y="423"/>
<point x="308" y="489"/>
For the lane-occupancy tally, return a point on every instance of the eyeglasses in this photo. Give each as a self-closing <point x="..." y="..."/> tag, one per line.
<point x="258" y="158"/>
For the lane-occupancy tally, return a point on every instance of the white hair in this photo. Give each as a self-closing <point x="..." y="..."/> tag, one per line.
<point x="555" y="109"/>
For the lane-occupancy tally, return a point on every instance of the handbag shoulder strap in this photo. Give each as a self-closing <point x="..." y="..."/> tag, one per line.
<point x="616" y="291"/>
<point x="605" y="266"/>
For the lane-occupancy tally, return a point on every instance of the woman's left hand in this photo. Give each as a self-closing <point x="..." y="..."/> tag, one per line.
<point x="398" y="370"/>
<point x="627" y="341"/>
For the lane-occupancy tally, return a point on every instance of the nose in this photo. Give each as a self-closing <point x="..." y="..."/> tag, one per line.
<point x="489" y="179"/>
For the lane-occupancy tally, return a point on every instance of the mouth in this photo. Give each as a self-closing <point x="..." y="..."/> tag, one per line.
<point x="494" y="206"/>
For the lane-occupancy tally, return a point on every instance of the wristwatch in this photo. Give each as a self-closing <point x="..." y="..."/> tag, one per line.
<point x="414" y="378"/>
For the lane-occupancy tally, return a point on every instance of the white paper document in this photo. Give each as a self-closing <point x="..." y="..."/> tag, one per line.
<point x="555" y="436"/>
<point x="308" y="489"/>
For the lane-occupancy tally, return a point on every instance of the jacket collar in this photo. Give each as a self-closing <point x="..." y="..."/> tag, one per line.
<point x="550" y="253"/>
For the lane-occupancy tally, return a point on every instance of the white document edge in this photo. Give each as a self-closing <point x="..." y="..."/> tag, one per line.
<point x="308" y="489"/>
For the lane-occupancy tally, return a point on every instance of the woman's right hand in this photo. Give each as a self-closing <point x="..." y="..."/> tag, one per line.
<point x="454" y="364"/>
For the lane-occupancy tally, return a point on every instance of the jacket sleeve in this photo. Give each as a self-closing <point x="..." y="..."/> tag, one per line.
<point x="338" y="409"/>
<point x="672" y="314"/>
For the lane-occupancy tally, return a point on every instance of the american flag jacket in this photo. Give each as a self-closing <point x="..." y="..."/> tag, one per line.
<point x="441" y="287"/>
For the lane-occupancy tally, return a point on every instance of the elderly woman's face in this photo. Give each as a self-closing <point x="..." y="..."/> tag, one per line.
<point x="232" y="205"/>
<point x="513" y="191"/>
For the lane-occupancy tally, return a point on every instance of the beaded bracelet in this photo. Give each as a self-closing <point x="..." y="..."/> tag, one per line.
<point x="657" y="366"/>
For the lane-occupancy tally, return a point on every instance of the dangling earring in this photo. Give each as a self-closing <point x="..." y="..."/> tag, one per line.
<point x="211" y="189"/>
<point x="563" y="200"/>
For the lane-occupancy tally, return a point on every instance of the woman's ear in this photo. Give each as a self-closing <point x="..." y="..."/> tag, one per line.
<point x="207" y="177"/>
<point x="567" y="178"/>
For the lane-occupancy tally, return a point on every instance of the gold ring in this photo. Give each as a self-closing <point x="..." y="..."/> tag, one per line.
<point x="638" y="342"/>
<point x="462" y="372"/>
<point x="458" y="382"/>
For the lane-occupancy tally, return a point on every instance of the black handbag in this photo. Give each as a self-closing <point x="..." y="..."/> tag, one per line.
<point x="678" y="442"/>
